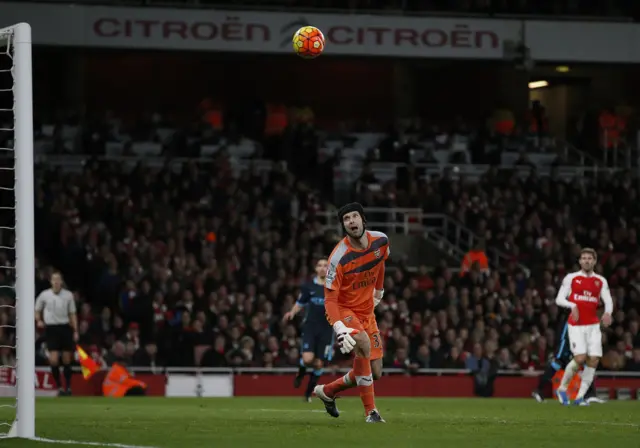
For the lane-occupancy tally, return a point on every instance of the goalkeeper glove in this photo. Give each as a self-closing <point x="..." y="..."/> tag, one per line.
<point x="377" y="296"/>
<point x="345" y="341"/>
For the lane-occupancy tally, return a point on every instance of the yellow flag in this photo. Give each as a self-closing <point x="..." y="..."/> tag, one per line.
<point x="88" y="365"/>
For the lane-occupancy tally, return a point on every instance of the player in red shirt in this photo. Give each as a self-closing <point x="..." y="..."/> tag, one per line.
<point x="581" y="292"/>
<point x="353" y="287"/>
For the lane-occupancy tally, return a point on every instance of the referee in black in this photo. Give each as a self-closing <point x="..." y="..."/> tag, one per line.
<point x="56" y="313"/>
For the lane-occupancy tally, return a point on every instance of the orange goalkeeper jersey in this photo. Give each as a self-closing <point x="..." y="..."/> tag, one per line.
<point x="353" y="275"/>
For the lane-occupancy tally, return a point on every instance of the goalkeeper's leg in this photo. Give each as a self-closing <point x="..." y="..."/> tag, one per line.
<point x="349" y="380"/>
<point x="341" y="384"/>
<point x="362" y="371"/>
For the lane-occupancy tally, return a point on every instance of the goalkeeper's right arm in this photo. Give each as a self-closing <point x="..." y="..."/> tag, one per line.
<point x="332" y="291"/>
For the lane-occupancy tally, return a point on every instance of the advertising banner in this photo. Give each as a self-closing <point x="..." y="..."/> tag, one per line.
<point x="45" y="386"/>
<point x="583" y="41"/>
<point x="156" y="384"/>
<point x="449" y="386"/>
<point x="199" y="385"/>
<point x="280" y="385"/>
<point x="261" y="32"/>
<point x="346" y="34"/>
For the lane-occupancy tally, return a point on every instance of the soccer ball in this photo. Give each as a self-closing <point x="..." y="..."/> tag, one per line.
<point x="308" y="42"/>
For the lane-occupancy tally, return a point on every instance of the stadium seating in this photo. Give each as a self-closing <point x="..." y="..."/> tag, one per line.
<point x="185" y="247"/>
<point x="192" y="262"/>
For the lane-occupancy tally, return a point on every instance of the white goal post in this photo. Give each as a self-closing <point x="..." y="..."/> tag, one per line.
<point x="17" y="38"/>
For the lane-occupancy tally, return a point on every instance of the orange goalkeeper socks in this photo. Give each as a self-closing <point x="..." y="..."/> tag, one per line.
<point x="359" y="376"/>
<point x="364" y="381"/>
<point x="346" y="382"/>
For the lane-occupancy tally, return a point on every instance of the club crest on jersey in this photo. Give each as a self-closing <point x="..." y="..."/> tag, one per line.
<point x="597" y="282"/>
<point x="377" y="253"/>
<point x="348" y="319"/>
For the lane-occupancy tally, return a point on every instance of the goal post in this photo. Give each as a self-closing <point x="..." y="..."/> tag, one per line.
<point x="18" y="39"/>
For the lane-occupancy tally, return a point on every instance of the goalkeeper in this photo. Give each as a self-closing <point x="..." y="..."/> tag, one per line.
<point x="352" y="289"/>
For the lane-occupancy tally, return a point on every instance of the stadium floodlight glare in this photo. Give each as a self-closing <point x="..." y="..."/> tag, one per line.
<point x="15" y="45"/>
<point x="538" y="84"/>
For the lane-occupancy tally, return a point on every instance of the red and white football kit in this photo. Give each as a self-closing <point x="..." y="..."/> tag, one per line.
<point x="584" y="291"/>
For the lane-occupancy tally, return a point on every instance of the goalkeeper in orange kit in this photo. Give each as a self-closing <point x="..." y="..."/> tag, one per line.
<point x="353" y="287"/>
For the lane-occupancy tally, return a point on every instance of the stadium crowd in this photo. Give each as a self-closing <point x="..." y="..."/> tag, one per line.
<point x="196" y="266"/>
<point x="540" y="222"/>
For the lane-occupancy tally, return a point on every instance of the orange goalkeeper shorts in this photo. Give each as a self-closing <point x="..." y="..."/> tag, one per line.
<point x="367" y="324"/>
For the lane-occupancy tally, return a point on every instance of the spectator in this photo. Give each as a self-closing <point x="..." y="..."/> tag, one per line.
<point x="454" y="360"/>
<point x="633" y="364"/>
<point x="118" y="354"/>
<point x="473" y="361"/>
<point x="422" y="357"/>
<point x="485" y="371"/>
<point x="199" y="274"/>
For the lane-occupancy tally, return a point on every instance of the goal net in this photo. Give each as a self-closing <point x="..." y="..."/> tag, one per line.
<point x="17" y="262"/>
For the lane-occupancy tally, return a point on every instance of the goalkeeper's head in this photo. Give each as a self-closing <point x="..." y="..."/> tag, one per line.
<point x="353" y="221"/>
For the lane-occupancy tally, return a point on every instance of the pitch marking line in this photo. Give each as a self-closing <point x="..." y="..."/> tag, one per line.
<point x="484" y="419"/>
<point x="78" y="442"/>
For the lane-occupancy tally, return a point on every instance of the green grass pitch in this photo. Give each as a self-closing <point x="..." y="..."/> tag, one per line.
<point x="288" y="422"/>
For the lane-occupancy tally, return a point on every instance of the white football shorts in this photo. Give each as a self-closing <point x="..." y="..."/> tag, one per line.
<point x="585" y="340"/>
